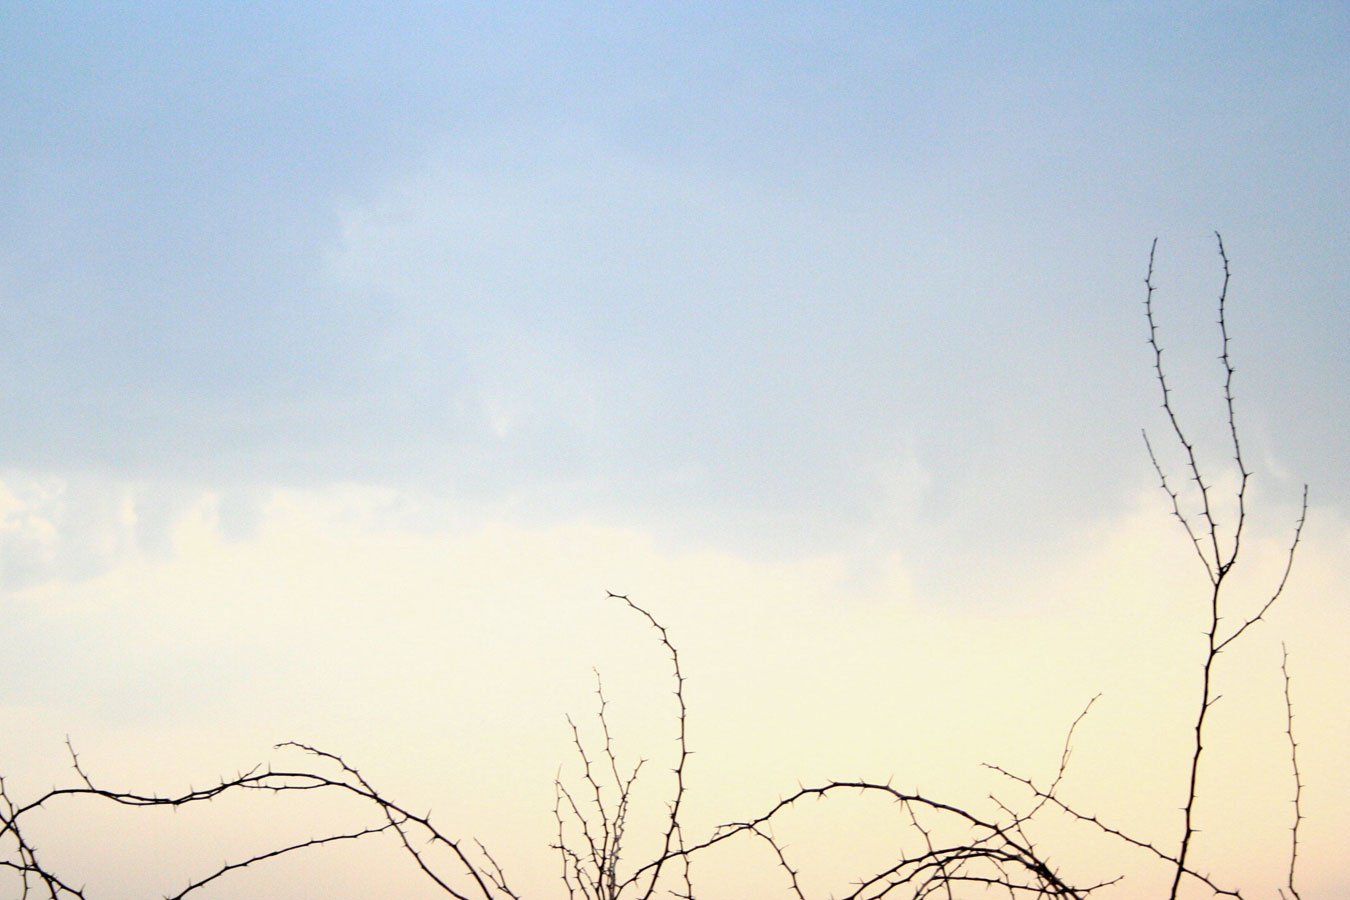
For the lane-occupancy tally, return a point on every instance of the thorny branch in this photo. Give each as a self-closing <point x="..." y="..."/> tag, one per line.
<point x="1222" y="555"/>
<point x="957" y="848"/>
<point x="1298" y="778"/>
<point x="991" y="856"/>
<point x="483" y="878"/>
<point x="673" y="839"/>
<point x="592" y="871"/>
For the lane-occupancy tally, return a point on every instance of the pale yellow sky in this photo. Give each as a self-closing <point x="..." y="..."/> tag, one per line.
<point x="442" y="663"/>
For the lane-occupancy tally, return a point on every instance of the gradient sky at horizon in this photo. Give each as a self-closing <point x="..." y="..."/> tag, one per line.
<point x="431" y="321"/>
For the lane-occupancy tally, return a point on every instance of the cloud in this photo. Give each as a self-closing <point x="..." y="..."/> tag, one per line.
<point x="349" y="358"/>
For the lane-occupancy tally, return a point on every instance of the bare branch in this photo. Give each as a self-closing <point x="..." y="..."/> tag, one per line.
<point x="1284" y="578"/>
<point x="1219" y="561"/>
<point x="672" y="840"/>
<point x="1293" y="764"/>
<point x="1212" y="566"/>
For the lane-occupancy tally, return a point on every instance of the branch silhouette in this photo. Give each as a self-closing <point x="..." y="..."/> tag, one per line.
<point x="954" y="851"/>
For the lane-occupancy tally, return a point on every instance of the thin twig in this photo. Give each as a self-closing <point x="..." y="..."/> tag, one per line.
<point x="1293" y="764"/>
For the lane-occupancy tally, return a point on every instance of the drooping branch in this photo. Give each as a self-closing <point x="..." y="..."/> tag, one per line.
<point x="484" y="878"/>
<point x="992" y="855"/>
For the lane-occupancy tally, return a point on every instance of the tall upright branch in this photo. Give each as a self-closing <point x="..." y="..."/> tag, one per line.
<point x="673" y="839"/>
<point x="1221" y="555"/>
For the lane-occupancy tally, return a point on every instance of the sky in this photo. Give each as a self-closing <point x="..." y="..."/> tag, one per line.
<point x="352" y="356"/>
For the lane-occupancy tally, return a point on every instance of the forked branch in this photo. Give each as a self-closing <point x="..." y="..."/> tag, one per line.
<point x="1221" y="555"/>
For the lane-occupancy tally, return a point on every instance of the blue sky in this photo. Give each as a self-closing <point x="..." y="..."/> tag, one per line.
<point x="777" y="282"/>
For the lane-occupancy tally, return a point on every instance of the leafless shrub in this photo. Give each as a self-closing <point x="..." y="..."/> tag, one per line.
<point x="988" y="853"/>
